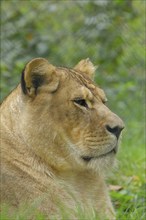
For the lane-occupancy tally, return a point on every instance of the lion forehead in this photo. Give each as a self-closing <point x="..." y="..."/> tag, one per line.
<point x="86" y="86"/>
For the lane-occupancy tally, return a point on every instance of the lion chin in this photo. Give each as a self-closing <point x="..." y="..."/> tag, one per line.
<point x="58" y="138"/>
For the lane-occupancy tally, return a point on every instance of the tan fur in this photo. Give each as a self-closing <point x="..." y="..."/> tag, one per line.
<point x="45" y="134"/>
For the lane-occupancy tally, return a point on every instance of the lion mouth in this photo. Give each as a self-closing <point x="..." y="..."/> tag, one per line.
<point x="88" y="158"/>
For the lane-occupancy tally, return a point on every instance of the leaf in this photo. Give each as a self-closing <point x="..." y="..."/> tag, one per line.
<point x="115" y="187"/>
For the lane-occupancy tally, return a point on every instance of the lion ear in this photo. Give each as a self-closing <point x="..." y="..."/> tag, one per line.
<point x="86" y="66"/>
<point x="37" y="73"/>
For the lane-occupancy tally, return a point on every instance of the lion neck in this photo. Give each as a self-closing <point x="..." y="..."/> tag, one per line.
<point x="10" y="112"/>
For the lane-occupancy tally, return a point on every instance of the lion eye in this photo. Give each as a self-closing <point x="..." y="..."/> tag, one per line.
<point x="81" y="102"/>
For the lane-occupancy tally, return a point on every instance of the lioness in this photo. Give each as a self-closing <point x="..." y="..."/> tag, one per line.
<point x="57" y="139"/>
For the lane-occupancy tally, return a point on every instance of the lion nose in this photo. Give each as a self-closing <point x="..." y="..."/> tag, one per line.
<point x="116" y="130"/>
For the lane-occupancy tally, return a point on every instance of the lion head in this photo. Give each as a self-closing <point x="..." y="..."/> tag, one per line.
<point x="64" y="118"/>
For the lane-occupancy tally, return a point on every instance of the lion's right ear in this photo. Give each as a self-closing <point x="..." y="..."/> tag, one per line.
<point x="37" y="73"/>
<point x="87" y="67"/>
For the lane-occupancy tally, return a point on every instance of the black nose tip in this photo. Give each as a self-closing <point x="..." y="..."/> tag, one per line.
<point x="115" y="130"/>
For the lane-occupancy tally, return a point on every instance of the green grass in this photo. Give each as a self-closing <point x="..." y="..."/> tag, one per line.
<point x="130" y="202"/>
